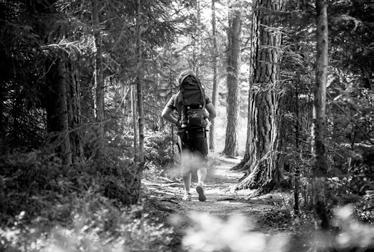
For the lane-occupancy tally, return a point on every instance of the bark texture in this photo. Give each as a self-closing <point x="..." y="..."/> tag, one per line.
<point x="214" y="66"/>
<point x="197" y="41"/>
<point x="57" y="110"/>
<point x="74" y="109"/>
<point x="87" y="85"/>
<point x="261" y="156"/>
<point x="297" y="145"/>
<point x="2" y="121"/>
<point x="139" y="84"/>
<point x="99" y="83"/>
<point x="319" y="118"/>
<point x="233" y="59"/>
<point x="134" y="122"/>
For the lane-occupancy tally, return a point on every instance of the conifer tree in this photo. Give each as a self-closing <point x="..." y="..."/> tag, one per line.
<point x="261" y="156"/>
<point x="319" y="118"/>
<point x="233" y="67"/>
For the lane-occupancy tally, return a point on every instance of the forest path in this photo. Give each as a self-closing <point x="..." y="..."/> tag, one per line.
<point x="221" y="201"/>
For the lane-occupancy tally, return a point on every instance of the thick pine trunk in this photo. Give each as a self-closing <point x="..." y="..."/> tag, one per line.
<point x="261" y="156"/>
<point x="214" y="66"/>
<point x="57" y="110"/>
<point x="99" y="83"/>
<point x="231" y="141"/>
<point x="319" y="118"/>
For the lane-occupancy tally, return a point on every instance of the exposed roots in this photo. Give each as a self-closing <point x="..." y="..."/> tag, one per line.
<point x="241" y="166"/>
<point x="244" y="165"/>
<point x="249" y="180"/>
<point x="256" y="179"/>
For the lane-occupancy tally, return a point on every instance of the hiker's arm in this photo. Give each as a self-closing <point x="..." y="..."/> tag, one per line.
<point x="168" y="116"/>
<point x="211" y="111"/>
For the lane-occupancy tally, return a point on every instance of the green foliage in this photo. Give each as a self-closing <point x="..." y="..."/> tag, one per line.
<point x="238" y="233"/>
<point x="31" y="182"/>
<point x="159" y="148"/>
<point x="364" y="210"/>
<point x="81" y="201"/>
<point x="350" y="104"/>
<point x="36" y="182"/>
<point x="95" y="225"/>
<point x="361" y="177"/>
<point x="353" y="234"/>
<point x="277" y="219"/>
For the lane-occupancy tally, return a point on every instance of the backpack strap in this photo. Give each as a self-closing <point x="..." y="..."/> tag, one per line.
<point x="178" y="99"/>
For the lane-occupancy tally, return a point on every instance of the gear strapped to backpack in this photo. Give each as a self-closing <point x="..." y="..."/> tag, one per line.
<point x="192" y="96"/>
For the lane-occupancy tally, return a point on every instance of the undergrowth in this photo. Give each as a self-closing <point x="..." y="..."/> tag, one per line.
<point x="95" y="225"/>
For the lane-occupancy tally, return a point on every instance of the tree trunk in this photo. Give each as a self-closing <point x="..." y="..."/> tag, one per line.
<point x="139" y="78"/>
<point x="74" y="108"/>
<point x="2" y="121"/>
<point x="198" y="36"/>
<point x="87" y="84"/>
<point x="196" y="42"/>
<point x="231" y="141"/>
<point x="260" y="160"/>
<point x="296" y="189"/>
<point x="99" y="83"/>
<point x="57" y="110"/>
<point x="319" y="118"/>
<point x="214" y="66"/>
<point x="134" y="122"/>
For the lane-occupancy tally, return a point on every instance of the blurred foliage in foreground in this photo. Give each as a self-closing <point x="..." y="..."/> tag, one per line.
<point x="97" y="226"/>
<point x="48" y="206"/>
<point x="207" y="233"/>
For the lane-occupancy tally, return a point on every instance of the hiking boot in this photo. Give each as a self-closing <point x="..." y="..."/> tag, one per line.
<point x="186" y="197"/>
<point x="200" y="191"/>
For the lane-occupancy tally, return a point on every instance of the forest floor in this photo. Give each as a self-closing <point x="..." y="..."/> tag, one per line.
<point x="268" y="213"/>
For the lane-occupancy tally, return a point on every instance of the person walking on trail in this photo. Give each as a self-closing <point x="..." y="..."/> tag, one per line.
<point x="194" y="111"/>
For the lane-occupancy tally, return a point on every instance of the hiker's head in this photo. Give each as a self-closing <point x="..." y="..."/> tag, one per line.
<point x="184" y="74"/>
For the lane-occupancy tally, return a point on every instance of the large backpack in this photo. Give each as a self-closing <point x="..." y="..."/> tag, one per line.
<point x="192" y="96"/>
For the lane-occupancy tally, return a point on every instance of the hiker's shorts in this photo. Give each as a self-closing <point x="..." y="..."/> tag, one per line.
<point x="194" y="141"/>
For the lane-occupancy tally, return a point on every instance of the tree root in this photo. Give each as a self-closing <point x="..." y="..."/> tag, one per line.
<point x="255" y="180"/>
<point x="244" y="165"/>
<point x="240" y="166"/>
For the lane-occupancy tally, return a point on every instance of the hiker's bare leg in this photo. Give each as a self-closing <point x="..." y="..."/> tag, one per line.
<point x="201" y="176"/>
<point x="187" y="182"/>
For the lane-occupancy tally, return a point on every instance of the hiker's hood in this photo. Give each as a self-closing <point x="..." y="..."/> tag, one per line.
<point x="184" y="74"/>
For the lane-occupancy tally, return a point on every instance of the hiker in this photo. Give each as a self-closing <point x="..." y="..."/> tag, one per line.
<point x="194" y="111"/>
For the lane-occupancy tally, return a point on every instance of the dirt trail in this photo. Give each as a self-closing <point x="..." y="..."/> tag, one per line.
<point x="221" y="200"/>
